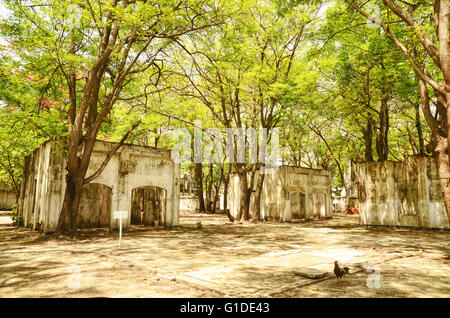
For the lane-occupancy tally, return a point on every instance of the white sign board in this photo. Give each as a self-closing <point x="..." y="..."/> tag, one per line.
<point x="120" y="215"/>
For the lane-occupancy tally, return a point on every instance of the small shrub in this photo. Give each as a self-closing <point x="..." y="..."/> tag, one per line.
<point x="199" y="225"/>
<point x="17" y="220"/>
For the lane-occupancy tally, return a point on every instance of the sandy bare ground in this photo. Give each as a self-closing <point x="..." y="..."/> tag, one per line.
<point x="5" y="219"/>
<point x="227" y="260"/>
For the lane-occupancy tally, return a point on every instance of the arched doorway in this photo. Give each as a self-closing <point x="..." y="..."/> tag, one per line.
<point x="298" y="205"/>
<point x="148" y="205"/>
<point x="95" y="206"/>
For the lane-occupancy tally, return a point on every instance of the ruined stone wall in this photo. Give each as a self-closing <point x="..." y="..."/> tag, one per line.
<point x="41" y="185"/>
<point x="131" y="167"/>
<point x="339" y="204"/>
<point x="310" y="186"/>
<point x="288" y="193"/>
<point x="400" y="193"/>
<point x="189" y="203"/>
<point x="7" y="200"/>
<point x="95" y="206"/>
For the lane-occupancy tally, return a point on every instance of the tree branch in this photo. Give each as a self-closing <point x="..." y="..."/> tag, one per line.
<point x="111" y="154"/>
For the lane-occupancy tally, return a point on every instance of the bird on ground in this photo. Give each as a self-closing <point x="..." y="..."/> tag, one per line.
<point x="339" y="272"/>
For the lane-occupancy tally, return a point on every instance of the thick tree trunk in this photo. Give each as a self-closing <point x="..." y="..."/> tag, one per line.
<point x="225" y="194"/>
<point x="207" y="199"/>
<point x="68" y="220"/>
<point x="216" y="198"/>
<point x="444" y="172"/>
<point x="257" y="198"/>
<point x="226" y="182"/>
<point x="209" y="188"/>
<point x="347" y="198"/>
<point x="444" y="52"/>
<point x="439" y="145"/>
<point x="199" y="185"/>
<point x="368" y="135"/>
<point x="243" y="197"/>
<point x="382" y="136"/>
<point x="419" y="130"/>
<point x="444" y="166"/>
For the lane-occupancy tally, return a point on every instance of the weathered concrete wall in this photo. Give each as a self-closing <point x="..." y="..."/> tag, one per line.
<point x="339" y="204"/>
<point x="188" y="199"/>
<point x="95" y="206"/>
<point x="41" y="184"/>
<point x="186" y="186"/>
<point x="131" y="167"/>
<point x="189" y="203"/>
<point x="7" y="200"/>
<point x="404" y="193"/>
<point x="289" y="193"/>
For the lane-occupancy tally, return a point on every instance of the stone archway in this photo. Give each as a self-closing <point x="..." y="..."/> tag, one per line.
<point x="148" y="205"/>
<point x="95" y="206"/>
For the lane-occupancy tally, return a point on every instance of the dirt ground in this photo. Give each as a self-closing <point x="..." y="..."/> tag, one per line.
<point x="227" y="260"/>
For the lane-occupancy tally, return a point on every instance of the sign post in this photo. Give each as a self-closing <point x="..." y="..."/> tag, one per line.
<point x="120" y="215"/>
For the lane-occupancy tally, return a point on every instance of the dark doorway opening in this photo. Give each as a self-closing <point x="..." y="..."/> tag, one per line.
<point x="148" y="205"/>
<point x="298" y="205"/>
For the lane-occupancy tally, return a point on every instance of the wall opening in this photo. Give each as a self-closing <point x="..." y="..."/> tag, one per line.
<point x="298" y="205"/>
<point x="95" y="206"/>
<point x="148" y="205"/>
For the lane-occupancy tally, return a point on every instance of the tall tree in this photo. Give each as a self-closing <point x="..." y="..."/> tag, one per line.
<point x="99" y="48"/>
<point x="243" y="75"/>
<point x="428" y="52"/>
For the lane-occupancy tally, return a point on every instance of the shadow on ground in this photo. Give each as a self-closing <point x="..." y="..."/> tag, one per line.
<point x="224" y="259"/>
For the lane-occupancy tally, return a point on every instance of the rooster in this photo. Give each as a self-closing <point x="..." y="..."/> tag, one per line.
<point x="339" y="272"/>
